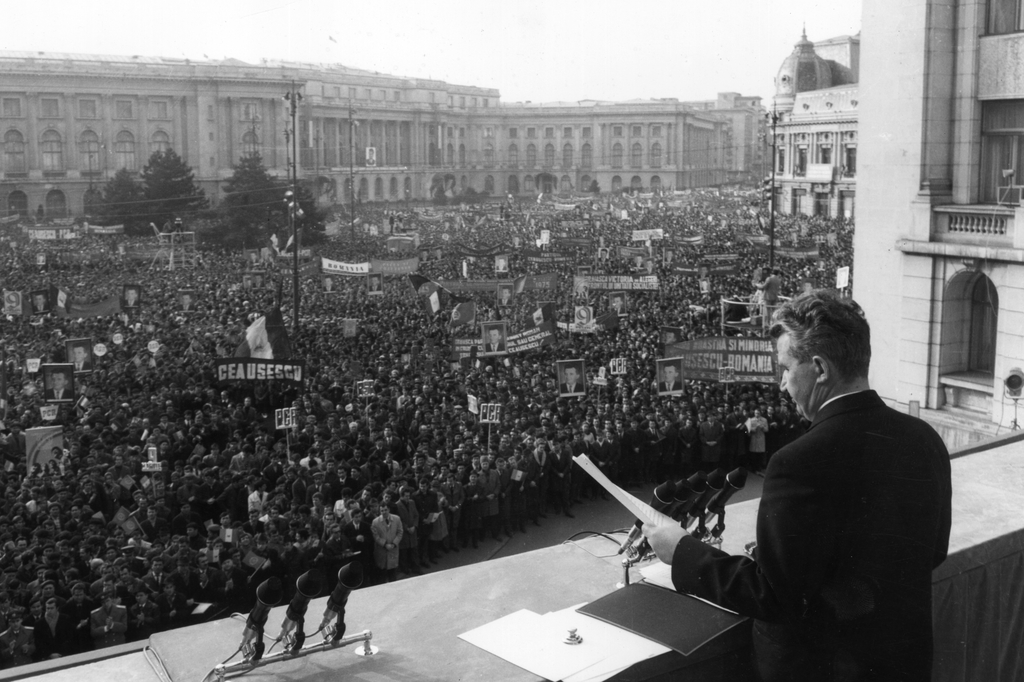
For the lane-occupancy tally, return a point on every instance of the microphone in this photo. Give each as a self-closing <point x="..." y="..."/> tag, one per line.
<point x="349" y="578"/>
<point x="661" y="500"/>
<point x="687" y="492"/>
<point x="698" y="512"/>
<point x="734" y="483"/>
<point x="268" y="594"/>
<point x="308" y="586"/>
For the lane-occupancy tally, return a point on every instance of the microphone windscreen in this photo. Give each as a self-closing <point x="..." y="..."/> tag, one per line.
<point x="351" y="575"/>
<point x="310" y="584"/>
<point x="270" y="592"/>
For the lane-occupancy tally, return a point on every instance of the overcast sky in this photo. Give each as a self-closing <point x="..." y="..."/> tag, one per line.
<point x="528" y="49"/>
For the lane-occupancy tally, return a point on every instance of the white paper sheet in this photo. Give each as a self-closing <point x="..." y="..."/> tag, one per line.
<point x="636" y="506"/>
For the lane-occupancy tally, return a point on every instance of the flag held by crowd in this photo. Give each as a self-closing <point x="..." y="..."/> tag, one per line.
<point x="266" y="338"/>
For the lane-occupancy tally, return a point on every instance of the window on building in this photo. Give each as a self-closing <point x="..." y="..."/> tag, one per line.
<point x="549" y="133"/>
<point x="250" y="111"/>
<point x="462" y="155"/>
<point x="587" y="133"/>
<point x="49" y="107"/>
<point x="1005" y="16"/>
<point x="780" y="165"/>
<point x="617" y="155"/>
<point x="1002" y="149"/>
<point x="487" y="102"/>
<point x="368" y="93"/>
<point x="531" y="133"/>
<point x="528" y="184"/>
<point x="616" y="131"/>
<point x="531" y="156"/>
<point x="124" y="149"/>
<point x="383" y="95"/>
<point x="161" y="142"/>
<point x="636" y="156"/>
<point x="586" y="156"/>
<point x="397" y="97"/>
<point x="513" y="155"/>
<point x="472" y="102"/>
<point x="250" y="143"/>
<point x="488" y="132"/>
<point x="488" y="156"/>
<point x="655" y="131"/>
<point x="462" y="102"/>
<point x="567" y="131"/>
<point x="616" y="183"/>
<point x="655" y="183"/>
<point x="393" y="188"/>
<point x="12" y="107"/>
<point x="984" y="318"/>
<point x="450" y="154"/>
<point x="513" y="133"/>
<point x="850" y="162"/>
<point x="352" y="93"/>
<point x="489" y="184"/>
<point x="451" y="132"/>
<point x="565" y="184"/>
<point x="825" y="155"/>
<point x="86" y="108"/>
<point x="637" y="131"/>
<point x="462" y="133"/>
<point x="123" y="108"/>
<point x="52" y="149"/>
<point x="89" y="150"/>
<point x="159" y="110"/>
<point x="14" y="152"/>
<point x="656" y="155"/>
<point x="567" y="156"/>
<point x="800" y="163"/>
<point x="549" y="155"/>
<point x="513" y="184"/>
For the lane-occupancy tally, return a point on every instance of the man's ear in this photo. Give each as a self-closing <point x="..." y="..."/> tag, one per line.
<point x="822" y="367"/>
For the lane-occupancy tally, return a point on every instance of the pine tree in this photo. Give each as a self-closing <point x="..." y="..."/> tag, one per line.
<point x="253" y="201"/>
<point x="123" y="202"/>
<point x="170" y="190"/>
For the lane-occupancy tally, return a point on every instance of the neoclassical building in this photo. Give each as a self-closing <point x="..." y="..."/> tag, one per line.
<point x="69" y="122"/>
<point x="815" y="143"/>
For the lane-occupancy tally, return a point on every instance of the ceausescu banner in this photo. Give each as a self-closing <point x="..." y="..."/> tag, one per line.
<point x="255" y="369"/>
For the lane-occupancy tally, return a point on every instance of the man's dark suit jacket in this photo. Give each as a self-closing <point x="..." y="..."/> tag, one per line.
<point x="854" y="516"/>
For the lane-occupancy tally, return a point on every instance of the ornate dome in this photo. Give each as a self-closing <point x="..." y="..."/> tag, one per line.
<point x="803" y="70"/>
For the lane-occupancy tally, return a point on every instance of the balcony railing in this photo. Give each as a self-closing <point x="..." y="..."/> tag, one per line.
<point x="984" y="224"/>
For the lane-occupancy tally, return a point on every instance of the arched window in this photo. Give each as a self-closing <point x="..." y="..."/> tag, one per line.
<point x="17" y="203"/>
<point x="549" y="155"/>
<point x="53" y="151"/>
<point x="636" y="183"/>
<point x="585" y="183"/>
<point x="56" y="204"/>
<point x="617" y="155"/>
<point x="636" y="157"/>
<point x="450" y="157"/>
<point x="432" y="154"/>
<point x="378" y="189"/>
<point x="250" y="143"/>
<point x="489" y="156"/>
<point x="567" y="156"/>
<point x="489" y="184"/>
<point x="528" y="184"/>
<point x="364" y="189"/>
<point x="984" y="315"/>
<point x="655" y="183"/>
<point x="14" y="152"/>
<point x="462" y="155"/>
<point x="124" y="148"/>
<point x="531" y="156"/>
<point x="463" y="183"/>
<point x="89" y="150"/>
<point x="513" y="155"/>
<point x="565" y="184"/>
<point x="161" y="142"/>
<point x="408" y="188"/>
<point x="587" y="156"/>
<point x="616" y="183"/>
<point x="393" y="188"/>
<point x="656" y="155"/>
<point x="513" y="184"/>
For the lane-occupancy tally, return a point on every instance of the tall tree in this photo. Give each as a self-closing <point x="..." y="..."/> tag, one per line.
<point x="170" y="189"/>
<point x="252" y="202"/>
<point x="123" y="201"/>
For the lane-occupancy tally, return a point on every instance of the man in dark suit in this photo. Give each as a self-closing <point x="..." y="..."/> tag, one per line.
<point x="571" y="383"/>
<point x="671" y="382"/>
<point x="60" y="387"/>
<point x="54" y="633"/>
<point x="495" y="340"/>
<point x="854" y="516"/>
<point x="81" y="358"/>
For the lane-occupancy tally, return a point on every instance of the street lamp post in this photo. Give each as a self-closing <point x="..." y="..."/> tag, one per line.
<point x="291" y="201"/>
<point x="773" y="117"/>
<point x="352" y="172"/>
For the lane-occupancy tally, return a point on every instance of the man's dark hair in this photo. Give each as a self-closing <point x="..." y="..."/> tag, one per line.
<point x="821" y="323"/>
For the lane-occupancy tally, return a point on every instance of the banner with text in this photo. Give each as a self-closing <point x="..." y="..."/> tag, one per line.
<point x="255" y="369"/>
<point x="544" y="282"/>
<point x="615" y="283"/>
<point x="747" y="360"/>
<point x="336" y="267"/>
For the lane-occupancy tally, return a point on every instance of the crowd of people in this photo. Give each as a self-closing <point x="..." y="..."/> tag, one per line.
<point x="98" y="548"/>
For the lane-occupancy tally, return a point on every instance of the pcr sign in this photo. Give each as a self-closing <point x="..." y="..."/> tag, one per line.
<point x="490" y="413"/>
<point x="285" y="418"/>
<point x="617" y="366"/>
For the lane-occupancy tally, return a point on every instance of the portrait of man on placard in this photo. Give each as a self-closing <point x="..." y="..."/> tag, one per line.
<point x="130" y="295"/>
<point x="501" y="263"/>
<point x="494" y="338"/>
<point x="40" y="301"/>
<point x="187" y="300"/>
<point x="247" y="281"/>
<point x="582" y="270"/>
<point x="58" y="383"/>
<point x="328" y="284"/>
<point x="79" y="353"/>
<point x="570" y="378"/>
<point x="618" y="302"/>
<point x="670" y="376"/>
<point x="671" y="335"/>
<point x="504" y="295"/>
<point x="375" y="284"/>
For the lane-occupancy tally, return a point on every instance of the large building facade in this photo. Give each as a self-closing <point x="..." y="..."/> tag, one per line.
<point x="815" y="136"/>
<point x="70" y="122"/>
<point x="940" y="232"/>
